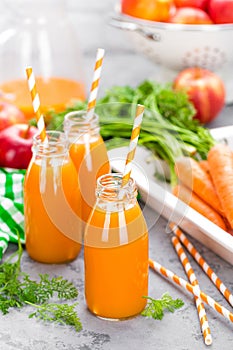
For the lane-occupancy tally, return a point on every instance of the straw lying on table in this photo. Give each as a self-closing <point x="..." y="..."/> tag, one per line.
<point x="192" y="289"/>
<point x="193" y="280"/>
<point x="203" y="264"/>
<point x="36" y="104"/>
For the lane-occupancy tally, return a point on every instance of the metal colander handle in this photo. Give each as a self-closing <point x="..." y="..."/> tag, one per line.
<point x="125" y="25"/>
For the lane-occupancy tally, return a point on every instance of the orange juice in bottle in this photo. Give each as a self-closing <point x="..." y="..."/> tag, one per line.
<point x="116" y="251"/>
<point x="89" y="154"/>
<point x="52" y="202"/>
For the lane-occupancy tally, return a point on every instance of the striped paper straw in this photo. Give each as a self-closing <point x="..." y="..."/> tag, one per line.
<point x="36" y="104"/>
<point x="133" y="144"/>
<point x="193" y="280"/>
<point x="95" y="83"/>
<point x="205" y="267"/>
<point x="192" y="289"/>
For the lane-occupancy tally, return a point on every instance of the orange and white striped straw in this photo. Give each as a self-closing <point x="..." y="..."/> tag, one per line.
<point x="95" y="83"/>
<point x="193" y="280"/>
<point x="36" y="104"/>
<point x="203" y="264"/>
<point x="133" y="144"/>
<point x="192" y="289"/>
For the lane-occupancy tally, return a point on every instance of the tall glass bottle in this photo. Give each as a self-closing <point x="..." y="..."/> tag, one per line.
<point x="116" y="251"/>
<point x="39" y="33"/>
<point x="89" y="154"/>
<point x="52" y="202"/>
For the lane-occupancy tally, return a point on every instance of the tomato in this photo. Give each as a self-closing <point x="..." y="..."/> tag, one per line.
<point x="221" y="11"/>
<point x="154" y="10"/>
<point x="202" y="4"/>
<point x="190" y="15"/>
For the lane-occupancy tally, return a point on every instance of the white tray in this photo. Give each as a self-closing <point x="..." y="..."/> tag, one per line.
<point x="156" y="194"/>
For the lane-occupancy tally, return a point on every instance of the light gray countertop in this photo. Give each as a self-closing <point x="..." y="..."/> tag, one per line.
<point x="178" y="331"/>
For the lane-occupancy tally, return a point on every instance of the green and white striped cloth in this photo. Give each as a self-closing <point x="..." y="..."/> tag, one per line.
<point x="11" y="207"/>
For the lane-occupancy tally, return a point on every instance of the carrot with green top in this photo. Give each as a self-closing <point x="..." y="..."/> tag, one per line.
<point x="195" y="202"/>
<point x="221" y="169"/>
<point x="193" y="176"/>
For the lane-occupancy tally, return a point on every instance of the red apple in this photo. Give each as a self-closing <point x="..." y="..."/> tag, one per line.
<point x="201" y="4"/>
<point x="154" y="10"/>
<point x="190" y="15"/>
<point x="9" y="115"/>
<point x="15" y="146"/>
<point x="205" y="90"/>
<point x="221" y="11"/>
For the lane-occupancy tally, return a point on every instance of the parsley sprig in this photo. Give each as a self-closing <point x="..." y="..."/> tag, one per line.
<point x="155" y="307"/>
<point x="17" y="289"/>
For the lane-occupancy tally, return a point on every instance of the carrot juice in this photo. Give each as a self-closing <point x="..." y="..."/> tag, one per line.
<point x="89" y="154"/>
<point x="55" y="93"/>
<point x="116" y="254"/>
<point x="52" y="206"/>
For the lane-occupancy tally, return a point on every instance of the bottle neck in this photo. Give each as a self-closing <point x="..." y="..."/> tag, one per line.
<point x="50" y="157"/>
<point x="110" y="194"/>
<point x="77" y="124"/>
<point x="56" y="146"/>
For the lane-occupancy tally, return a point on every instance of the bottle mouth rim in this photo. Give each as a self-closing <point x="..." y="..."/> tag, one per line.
<point x="109" y="186"/>
<point x="56" y="146"/>
<point x="52" y="135"/>
<point x="77" y="123"/>
<point x="80" y="118"/>
<point x="114" y="180"/>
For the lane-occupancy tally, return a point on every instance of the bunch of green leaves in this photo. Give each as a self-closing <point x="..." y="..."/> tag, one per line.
<point x="155" y="307"/>
<point x="168" y="129"/>
<point x="166" y="112"/>
<point x="17" y="289"/>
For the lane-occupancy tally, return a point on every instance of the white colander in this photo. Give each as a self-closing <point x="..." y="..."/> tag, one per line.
<point x="177" y="46"/>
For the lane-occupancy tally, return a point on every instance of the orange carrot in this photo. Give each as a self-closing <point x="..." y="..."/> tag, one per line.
<point x="195" y="202"/>
<point x="221" y="169"/>
<point x="191" y="174"/>
<point x="204" y="165"/>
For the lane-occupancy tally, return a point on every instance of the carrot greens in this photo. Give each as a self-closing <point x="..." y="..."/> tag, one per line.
<point x="17" y="289"/>
<point x="155" y="307"/>
<point x="57" y="313"/>
<point x="168" y="129"/>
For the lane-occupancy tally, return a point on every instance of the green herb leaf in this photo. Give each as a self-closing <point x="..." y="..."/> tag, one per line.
<point x="17" y="289"/>
<point x="155" y="307"/>
<point x="58" y="313"/>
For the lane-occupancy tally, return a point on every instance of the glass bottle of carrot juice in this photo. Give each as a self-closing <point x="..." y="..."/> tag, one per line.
<point x="116" y="251"/>
<point x="40" y="34"/>
<point x="89" y="154"/>
<point x="52" y="202"/>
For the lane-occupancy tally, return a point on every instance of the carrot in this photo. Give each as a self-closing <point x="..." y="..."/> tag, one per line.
<point x="221" y="169"/>
<point x="195" y="202"/>
<point x="191" y="174"/>
<point x="204" y="165"/>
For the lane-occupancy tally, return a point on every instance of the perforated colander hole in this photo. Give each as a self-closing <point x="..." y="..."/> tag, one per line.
<point x="151" y="54"/>
<point x="207" y="57"/>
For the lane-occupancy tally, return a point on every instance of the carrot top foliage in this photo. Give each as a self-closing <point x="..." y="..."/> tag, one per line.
<point x="17" y="290"/>
<point x="168" y="129"/>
